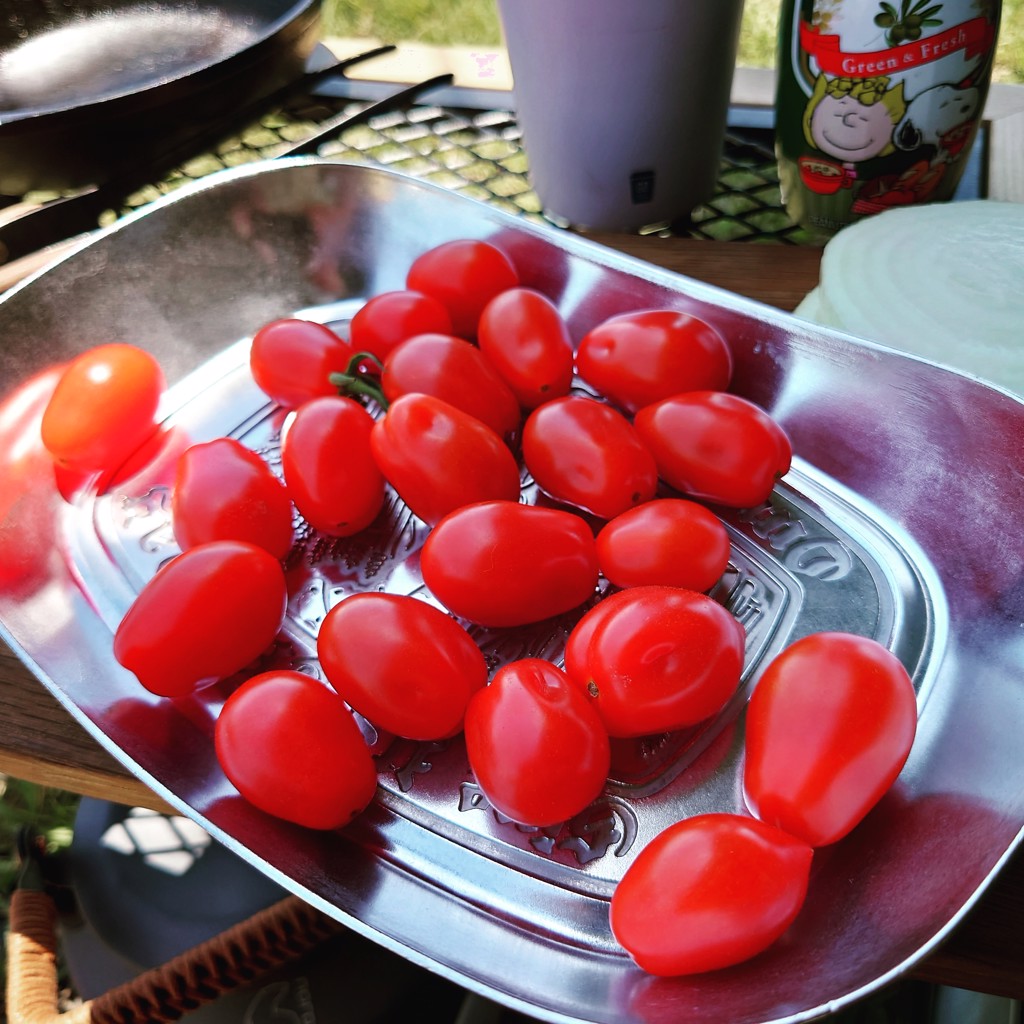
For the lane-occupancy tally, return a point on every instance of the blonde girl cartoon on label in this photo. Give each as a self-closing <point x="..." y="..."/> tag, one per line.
<point x="852" y="121"/>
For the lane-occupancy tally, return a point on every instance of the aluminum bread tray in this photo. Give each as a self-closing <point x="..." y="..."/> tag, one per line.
<point x="897" y="521"/>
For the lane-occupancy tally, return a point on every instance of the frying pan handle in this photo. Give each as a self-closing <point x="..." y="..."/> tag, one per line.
<point x="36" y="228"/>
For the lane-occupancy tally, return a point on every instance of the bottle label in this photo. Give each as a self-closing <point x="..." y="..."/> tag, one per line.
<point x="878" y="102"/>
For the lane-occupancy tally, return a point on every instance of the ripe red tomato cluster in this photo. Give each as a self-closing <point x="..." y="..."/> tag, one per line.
<point x="437" y="390"/>
<point x="829" y="727"/>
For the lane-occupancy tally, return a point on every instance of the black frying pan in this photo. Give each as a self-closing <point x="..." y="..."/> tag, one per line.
<point x="88" y="87"/>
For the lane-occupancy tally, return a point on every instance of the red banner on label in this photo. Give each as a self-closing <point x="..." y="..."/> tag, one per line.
<point x="973" y="37"/>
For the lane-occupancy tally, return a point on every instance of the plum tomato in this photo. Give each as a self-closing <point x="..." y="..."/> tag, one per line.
<point x="291" y="747"/>
<point x="439" y="458"/>
<point x="388" y="319"/>
<point x="659" y="659"/>
<point x="204" y="615"/>
<point x="225" y="491"/>
<point x="585" y="453"/>
<point x="329" y="469"/>
<point x="502" y="563"/>
<point x="709" y="892"/>
<point x="715" y="446"/>
<point x="669" y="541"/>
<point x="403" y="664"/>
<point x="103" y="408"/>
<point x="28" y="526"/>
<point x="537" y="748"/>
<point x="522" y="333"/>
<point x="636" y="359"/>
<point x="456" y="371"/>
<point x="292" y="360"/>
<point x="574" y="656"/>
<point x="829" y="727"/>
<point x="463" y="275"/>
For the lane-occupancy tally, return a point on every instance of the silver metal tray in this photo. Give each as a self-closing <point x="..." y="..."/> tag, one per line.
<point x="897" y="522"/>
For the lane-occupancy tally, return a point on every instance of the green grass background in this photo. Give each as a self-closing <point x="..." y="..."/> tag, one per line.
<point x="475" y="22"/>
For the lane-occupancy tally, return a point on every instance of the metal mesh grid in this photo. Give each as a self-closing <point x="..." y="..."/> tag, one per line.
<point x="479" y="154"/>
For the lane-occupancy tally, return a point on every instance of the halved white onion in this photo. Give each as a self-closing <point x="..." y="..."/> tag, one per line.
<point x="944" y="281"/>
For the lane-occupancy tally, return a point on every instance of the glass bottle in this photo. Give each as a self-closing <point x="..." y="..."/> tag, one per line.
<point x="878" y="103"/>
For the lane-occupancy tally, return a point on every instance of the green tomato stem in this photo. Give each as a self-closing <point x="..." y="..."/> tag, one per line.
<point x="356" y="383"/>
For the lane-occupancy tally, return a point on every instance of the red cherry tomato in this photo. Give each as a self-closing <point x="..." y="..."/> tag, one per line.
<point x="225" y="491"/>
<point x="103" y="407"/>
<point x="290" y="746"/>
<point x="205" y="615"/>
<point x="575" y="657"/>
<point x="659" y="659"/>
<point x="292" y="360"/>
<point x="639" y="358"/>
<point x="715" y="446"/>
<point x="522" y="333"/>
<point x="500" y="563"/>
<point x="388" y="319"/>
<point x="456" y="371"/>
<point x="829" y="727"/>
<point x="538" y="749"/>
<point x="329" y="469"/>
<point x="439" y="458"/>
<point x="587" y="454"/>
<point x="464" y="275"/>
<point x="403" y="664"/>
<point x="671" y="541"/>
<point x="28" y="493"/>
<point x="709" y="892"/>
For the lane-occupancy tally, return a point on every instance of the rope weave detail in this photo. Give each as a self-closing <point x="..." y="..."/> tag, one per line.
<point x="272" y="938"/>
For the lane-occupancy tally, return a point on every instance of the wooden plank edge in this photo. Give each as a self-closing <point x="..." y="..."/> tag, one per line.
<point x="114" y="787"/>
<point x="488" y="68"/>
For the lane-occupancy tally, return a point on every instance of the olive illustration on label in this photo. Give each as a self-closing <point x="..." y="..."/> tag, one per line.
<point x="908" y="22"/>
